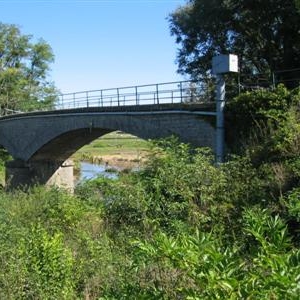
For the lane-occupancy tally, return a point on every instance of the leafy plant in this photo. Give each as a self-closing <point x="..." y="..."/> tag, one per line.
<point x="46" y="265"/>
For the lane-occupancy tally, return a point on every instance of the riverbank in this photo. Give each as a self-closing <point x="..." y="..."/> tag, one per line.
<point x="115" y="150"/>
<point x="108" y="166"/>
<point x="120" y="161"/>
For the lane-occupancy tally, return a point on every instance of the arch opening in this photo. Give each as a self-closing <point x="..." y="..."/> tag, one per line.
<point x="63" y="146"/>
<point x="116" y="151"/>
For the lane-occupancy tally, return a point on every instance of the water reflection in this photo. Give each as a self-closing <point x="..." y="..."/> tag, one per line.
<point x="90" y="171"/>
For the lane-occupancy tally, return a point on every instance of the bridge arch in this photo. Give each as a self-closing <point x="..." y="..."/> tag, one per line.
<point x="44" y="140"/>
<point x="41" y="136"/>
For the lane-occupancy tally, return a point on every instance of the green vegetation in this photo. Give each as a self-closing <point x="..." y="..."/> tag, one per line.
<point x="4" y="156"/>
<point x="24" y="67"/>
<point x="181" y="228"/>
<point x="264" y="34"/>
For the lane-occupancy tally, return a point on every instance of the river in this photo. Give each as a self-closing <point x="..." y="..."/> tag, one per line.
<point x="90" y="171"/>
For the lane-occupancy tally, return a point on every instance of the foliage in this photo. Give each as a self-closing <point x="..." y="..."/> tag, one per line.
<point x="204" y="234"/>
<point x="181" y="228"/>
<point x="264" y="126"/>
<point x="293" y="203"/>
<point x="52" y="246"/>
<point x="198" y="267"/>
<point x="24" y="67"/>
<point x="264" y="34"/>
<point x="267" y="119"/>
<point x="46" y="265"/>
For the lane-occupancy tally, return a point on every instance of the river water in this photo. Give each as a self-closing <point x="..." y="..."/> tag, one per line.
<point x="90" y="171"/>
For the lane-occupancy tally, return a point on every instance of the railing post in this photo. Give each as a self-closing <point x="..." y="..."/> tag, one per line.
<point x="157" y="93"/>
<point x="136" y="96"/>
<point x="74" y="103"/>
<point x="101" y="93"/>
<point x="87" y="99"/>
<point x="181" y="92"/>
<point x="118" y="97"/>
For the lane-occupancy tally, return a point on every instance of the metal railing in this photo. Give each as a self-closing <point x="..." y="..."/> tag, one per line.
<point x="161" y="93"/>
<point x="150" y="94"/>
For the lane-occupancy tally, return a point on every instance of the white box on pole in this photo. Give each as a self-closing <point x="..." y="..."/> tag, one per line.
<point x="225" y="63"/>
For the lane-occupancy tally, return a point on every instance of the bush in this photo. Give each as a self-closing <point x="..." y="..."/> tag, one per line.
<point x="265" y="123"/>
<point x="181" y="228"/>
<point x="46" y="265"/>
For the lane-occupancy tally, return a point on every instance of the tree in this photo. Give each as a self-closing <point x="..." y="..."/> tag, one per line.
<point x="24" y="67"/>
<point x="264" y="34"/>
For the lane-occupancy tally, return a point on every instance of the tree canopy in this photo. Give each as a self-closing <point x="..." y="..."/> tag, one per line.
<point x="24" y="67"/>
<point x="264" y="34"/>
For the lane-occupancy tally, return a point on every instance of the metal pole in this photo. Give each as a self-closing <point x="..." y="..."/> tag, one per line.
<point x="118" y="94"/>
<point x="181" y="96"/>
<point x="136" y="96"/>
<point x="220" y="103"/>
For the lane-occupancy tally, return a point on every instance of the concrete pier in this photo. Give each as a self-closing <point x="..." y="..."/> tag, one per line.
<point x="20" y="174"/>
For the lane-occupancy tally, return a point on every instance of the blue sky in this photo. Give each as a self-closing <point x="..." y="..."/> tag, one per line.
<point x="101" y="44"/>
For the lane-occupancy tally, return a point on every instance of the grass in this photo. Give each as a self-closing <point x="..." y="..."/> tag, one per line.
<point x="115" y="144"/>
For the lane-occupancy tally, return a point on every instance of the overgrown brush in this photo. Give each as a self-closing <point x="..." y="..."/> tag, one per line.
<point x="181" y="228"/>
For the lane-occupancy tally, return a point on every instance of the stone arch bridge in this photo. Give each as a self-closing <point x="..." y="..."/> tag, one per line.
<point x="41" y="142"/>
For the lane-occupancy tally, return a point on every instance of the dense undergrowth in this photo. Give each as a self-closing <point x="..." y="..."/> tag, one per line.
<point x="182" y="228"/>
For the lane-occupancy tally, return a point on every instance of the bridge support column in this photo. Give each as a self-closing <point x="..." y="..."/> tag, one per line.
<point x="20" y="174"/>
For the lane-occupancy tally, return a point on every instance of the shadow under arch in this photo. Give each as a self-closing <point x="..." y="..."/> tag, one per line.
<point x="63" y="146"/>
